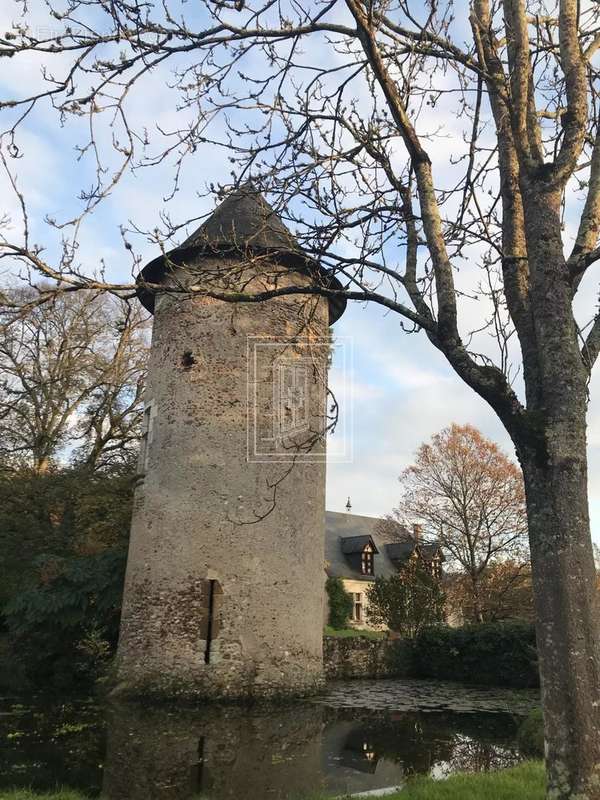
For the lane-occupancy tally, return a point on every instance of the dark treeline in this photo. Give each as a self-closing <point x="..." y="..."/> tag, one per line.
<point x="71" y="385"/>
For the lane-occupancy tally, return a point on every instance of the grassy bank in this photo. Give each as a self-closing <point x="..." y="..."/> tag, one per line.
<point x="353" y="633"/>
<point x="26" y="794"/>
<point x="525" y="782"/>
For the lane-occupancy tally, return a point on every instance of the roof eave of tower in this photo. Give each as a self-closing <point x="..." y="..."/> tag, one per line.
<point x="243" y="225"/>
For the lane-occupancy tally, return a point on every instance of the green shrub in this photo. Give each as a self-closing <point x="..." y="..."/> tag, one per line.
<point x="60" y="514"/>
<point x="63" y="543"/>
<point x="67" y="627"/>
<point x="531" y="735"/>
<point x="406" y="602"/>
<point x="492" y="653"/>
<point x="340" y="603"/>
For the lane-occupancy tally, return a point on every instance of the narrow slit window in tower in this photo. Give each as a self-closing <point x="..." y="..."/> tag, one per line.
<point x="147" y="435"/>
<point x="212" y="594"/>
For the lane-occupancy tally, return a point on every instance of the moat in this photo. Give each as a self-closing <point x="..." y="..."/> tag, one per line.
<point x="357" y="737"/>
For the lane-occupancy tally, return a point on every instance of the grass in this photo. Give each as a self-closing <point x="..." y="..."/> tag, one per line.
<point x="525" y="782"/>
<point x="353" y="633"/>
<point x="27" y="794"/>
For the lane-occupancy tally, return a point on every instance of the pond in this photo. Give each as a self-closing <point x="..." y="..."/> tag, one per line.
<point x="359" y="736"/>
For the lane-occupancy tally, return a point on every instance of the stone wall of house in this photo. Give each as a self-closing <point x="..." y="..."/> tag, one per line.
<point x="360" y="657"/>
<point x="358" y="590"/>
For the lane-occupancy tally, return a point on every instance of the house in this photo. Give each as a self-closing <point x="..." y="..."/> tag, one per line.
<point x="359" y="549"/>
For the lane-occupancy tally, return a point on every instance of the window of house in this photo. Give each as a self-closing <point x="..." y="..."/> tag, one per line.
<point x="367" y="560"/>
<point x="357" y="613"/>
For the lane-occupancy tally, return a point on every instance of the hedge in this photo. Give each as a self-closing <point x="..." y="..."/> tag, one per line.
<point x="492" y="653"/>
<point x="340" y="603"/>
<point x="530" y="736"/>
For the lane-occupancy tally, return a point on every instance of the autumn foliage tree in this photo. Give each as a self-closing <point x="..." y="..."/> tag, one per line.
<point x="429" y="154"/>
<point x="470" y="498"/>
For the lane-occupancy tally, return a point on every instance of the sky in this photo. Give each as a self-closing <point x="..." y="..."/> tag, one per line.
<point x="395" y="389"/>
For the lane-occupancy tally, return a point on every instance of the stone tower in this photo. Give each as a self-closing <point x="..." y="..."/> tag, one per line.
<point x="223" y="591"/>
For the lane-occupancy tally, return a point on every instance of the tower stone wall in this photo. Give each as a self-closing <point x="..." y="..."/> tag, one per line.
<point x="223" y="594"/>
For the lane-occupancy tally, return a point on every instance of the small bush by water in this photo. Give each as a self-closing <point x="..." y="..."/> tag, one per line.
<point x="63" y="549"/>
<point x="492" y="653"/>
<point x="531" y="735"/>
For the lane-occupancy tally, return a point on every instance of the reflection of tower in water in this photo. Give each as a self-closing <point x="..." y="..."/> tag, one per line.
<point x="280" y="752"/>
<point x="177" y="753"/>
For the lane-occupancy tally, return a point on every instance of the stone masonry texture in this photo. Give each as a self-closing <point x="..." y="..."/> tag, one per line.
<point x="360" y="657"/>
<point x="223" y="592"/>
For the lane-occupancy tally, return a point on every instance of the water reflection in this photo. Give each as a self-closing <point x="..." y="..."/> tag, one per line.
<point x="289" y="752"/>
<point x="128" y="752"/>
<point x="221" y="752"/>
<point x="390" y="747"/>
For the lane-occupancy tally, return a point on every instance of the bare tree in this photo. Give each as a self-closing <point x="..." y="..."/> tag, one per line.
<point x="470" y="499"/>
<point x="505" y="593"/>
<point x="110" y="423"/>
<point x="71" y="378"/>
<point x="337" y="109"/>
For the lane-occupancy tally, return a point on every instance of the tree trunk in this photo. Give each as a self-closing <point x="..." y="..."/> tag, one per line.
<point x="567" y="610"/>
<point x="475" y="599"/>
<point x="41" y="464"/>
<point x="552" y="449"/>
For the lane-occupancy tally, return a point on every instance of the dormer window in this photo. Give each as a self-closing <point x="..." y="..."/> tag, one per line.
<point x="367" y="560"/>
<point x="360" y="552"/>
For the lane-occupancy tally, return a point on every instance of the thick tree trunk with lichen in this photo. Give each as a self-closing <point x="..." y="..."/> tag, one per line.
<point x="552" y="450"/>
<point x="566" y="612"/>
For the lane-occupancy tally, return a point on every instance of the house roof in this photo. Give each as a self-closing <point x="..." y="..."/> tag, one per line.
<point x="347" y="534"/>
<point x="429" y="551"/>
<point x="400" y="551"/>
<point x="356" y="544"/>
<point x="344" y="532"/>
<point x="244" y="223"/>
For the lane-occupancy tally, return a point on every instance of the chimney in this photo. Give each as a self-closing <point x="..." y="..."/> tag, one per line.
<point x="417" y="530"/>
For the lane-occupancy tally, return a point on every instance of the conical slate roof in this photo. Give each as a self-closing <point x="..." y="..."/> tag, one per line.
<point x="244" y="220"/>
<point x="243" y="223"/>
